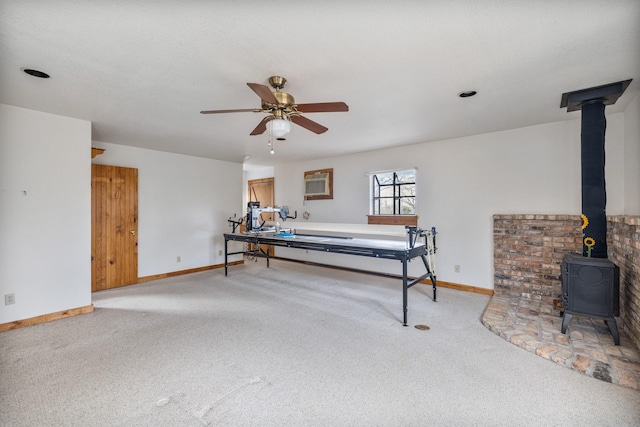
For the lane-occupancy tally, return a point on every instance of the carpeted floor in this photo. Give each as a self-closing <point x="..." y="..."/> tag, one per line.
<point x="289" y="345"/>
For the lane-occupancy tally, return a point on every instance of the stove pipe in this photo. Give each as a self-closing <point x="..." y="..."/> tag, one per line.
<point x="592" y="102"/>
<point x="594" y="193"/>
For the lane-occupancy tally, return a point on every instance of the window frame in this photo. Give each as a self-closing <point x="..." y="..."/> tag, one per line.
<point x="397" y="196"/>
<point x="397" y="219"/>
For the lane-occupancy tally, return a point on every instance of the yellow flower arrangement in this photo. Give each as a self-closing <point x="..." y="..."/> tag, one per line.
<point x="589" y="242"/>
<point x="585" y="221"/>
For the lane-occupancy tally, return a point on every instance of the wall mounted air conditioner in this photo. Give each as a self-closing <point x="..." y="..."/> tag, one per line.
<point x="316" y="184"/>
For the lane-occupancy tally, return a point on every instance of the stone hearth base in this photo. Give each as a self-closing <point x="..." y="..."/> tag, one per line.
<point x="587" y="347"/>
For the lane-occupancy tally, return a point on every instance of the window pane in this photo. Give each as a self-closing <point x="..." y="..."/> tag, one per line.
<point x="406" y="176"/>
<point x="385" y="178"/>
<point x="407" y="190"/>
<point x="386" y="207"/>
<point x="386" y="191"/>
<point x="407" y="206"/>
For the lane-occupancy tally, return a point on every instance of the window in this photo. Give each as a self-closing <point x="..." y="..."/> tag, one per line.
<point x="394" y="193"/>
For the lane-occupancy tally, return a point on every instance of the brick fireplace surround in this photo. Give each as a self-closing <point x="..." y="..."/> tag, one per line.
<point x="528" y="250"/>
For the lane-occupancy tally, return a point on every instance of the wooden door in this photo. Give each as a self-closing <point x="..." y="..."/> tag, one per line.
<point x="114" y="226"/>
<point x="261" y="190"/>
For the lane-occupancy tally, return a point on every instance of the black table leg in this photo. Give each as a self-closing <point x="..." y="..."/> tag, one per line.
<point x="433" y="281"/>
<point x="267" y="255"/>
<point x="225" y="257"/>
<point x="404" y="290"/>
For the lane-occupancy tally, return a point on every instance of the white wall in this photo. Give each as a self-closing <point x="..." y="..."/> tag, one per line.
<point x="183" y="206"/>
<point x="184" y="201"/>
<point x="461" y="184"/>
<point x="45" y="213"/>
<point x="632" y="157"/>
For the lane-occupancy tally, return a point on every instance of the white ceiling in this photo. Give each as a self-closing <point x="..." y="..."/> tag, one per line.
<point x="141" y="71"/>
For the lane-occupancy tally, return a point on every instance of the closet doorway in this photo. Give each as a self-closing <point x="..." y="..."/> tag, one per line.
<point x="114" y="226"/>
<point x="261" y="190"/>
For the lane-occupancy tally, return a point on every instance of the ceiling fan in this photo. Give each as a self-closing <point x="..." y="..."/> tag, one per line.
<point x="282" y="109"/>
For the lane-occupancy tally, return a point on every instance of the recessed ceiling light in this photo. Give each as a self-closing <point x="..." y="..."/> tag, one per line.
<point x="36" y="73"/>
<point x="467" y="94"/>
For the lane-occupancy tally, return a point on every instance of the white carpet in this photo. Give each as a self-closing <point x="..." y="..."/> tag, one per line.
<point x="289" y="345"/>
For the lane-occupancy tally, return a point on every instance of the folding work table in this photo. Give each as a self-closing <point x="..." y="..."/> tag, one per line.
<point x="403" y="251"/>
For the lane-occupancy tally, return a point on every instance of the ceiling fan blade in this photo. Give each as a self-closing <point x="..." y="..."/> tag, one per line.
<point x="262" y="126"/>
<point x="309" y="124"/>
<point x="242" y="110"/>
<point x="263" y="92"/>
<point x="323" y="107"/>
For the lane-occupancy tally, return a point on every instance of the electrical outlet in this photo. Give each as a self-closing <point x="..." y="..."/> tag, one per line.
<point x="9" y="299"/>
<point x="220" y="252"/>
<point x="457" y="268"/>
<point x="178" y="259"/>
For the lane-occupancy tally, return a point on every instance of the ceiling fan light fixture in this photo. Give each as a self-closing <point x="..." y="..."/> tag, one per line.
<point x="279" y="127"/>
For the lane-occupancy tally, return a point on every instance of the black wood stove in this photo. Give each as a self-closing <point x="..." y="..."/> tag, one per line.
<point x="590" y="283"/>
<point x="591" y="287"/>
